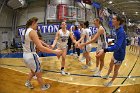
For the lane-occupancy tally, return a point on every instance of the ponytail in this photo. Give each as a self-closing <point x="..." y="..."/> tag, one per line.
<point x="29" y="23"/>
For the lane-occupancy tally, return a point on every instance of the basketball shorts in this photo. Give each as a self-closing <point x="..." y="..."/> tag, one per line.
<point x="32" y="61"/>
<point x="116" y="62"/>
<point x="87" y="48"/>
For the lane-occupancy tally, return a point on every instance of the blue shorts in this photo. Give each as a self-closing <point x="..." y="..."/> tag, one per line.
<point x="116" y="62"/>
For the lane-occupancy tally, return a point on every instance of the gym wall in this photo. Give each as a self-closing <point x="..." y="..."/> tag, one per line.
<point x="34" y="9"/>
<point x="6" y="19"/>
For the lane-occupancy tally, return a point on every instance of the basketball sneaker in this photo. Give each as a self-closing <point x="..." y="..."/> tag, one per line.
<point x="94" y="70"/>
<point x="108" y="84"/>
<point x="84" y="67"/>
<point x="63" y="72"/>
<point x="45" y="87"/>
<point x="97" y="73"/>
<point x="28" y="84"/>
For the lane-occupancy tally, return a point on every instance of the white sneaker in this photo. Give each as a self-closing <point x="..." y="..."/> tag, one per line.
<point x="105" y="77"/>
<point x="89" y="63"/>
<point x="84" y="67"/>
<point x="98" y="73"/>
<point x="45" y="87"/>
<point x="82" y="59"/>
<point x="34" y="77"/>
<point x="94" y="70"/>
<point x="63" y="72"/>
<point x="28" y="84"/>
<point x="108" y="84"/>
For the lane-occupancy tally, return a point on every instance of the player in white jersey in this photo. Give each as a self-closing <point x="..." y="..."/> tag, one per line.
<point x="136" y="44"/>
<point x="30" y="40"/>
<point x="86" y="36"/>
<point x="132" y="44"/>
<point x="61" y="39"/>
<point x="102" y="43"/>
<point x="81" y="28"/>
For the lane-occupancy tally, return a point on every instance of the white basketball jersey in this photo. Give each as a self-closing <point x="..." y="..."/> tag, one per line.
<point x="63" y="38"/>
<point x="88" y="33"/>
<point x="28" y="44"/>
<point x="81" y="31"/>
<point x="136" y="40"/>
<point x="102" y="40"/>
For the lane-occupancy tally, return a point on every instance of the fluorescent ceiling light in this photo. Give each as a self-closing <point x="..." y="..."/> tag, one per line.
<point x="110" y="2"/>
<point x="123" y="13"/>
<point x="136" y="12"/>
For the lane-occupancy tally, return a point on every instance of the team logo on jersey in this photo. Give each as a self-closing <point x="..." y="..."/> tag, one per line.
<point x="64" y="38"/>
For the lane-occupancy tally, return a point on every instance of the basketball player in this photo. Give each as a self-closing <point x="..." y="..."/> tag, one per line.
<point x="31" y="59"/>
<point x="87" y="34"/>
<point x="139" y="45"/>
<point x="132" y="44"/>
<point x="61" y="39"/>
<point x="77" y="34"/>
<point x="136" y="44"/>
<point x="102" y="43"/>
<point x="119" y="49"/>
<point x="81" y="28"/>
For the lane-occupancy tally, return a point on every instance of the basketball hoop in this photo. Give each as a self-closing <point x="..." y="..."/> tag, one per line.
<point x="62" y="12"/>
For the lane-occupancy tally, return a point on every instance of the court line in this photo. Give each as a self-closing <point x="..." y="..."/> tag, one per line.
<point x="92" y="75"/>
<point x="74" y="74"/>
<point x="66" y="81"/>
<point x="127" y="75"/>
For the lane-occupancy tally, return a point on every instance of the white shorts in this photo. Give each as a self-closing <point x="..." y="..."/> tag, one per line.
<point x="136" y="44"/>
<point x="132" y="43"/>
<point x="59" y="46"/>
<point x="87" y="48"/>
<point x="101" y="46"/>
<point x="116" y="62"/>
<point x="32" y="61"/>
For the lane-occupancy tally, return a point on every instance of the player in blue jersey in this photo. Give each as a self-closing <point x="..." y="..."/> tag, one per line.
<point x="119" y="49"/>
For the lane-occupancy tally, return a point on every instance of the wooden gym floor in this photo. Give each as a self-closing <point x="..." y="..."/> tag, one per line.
<point x="14" y="73"/>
